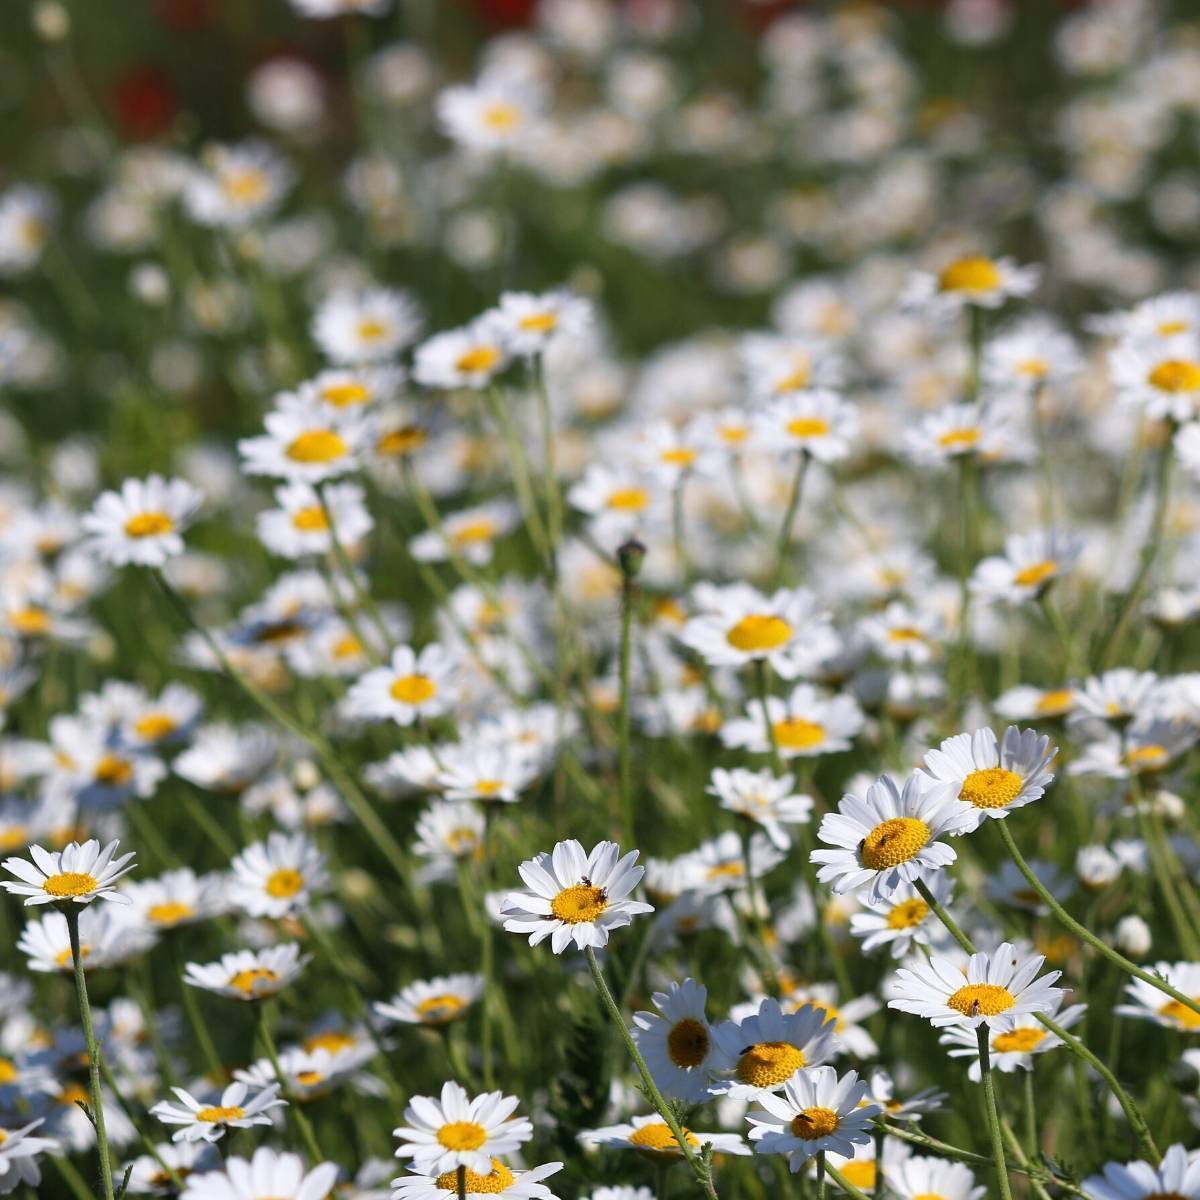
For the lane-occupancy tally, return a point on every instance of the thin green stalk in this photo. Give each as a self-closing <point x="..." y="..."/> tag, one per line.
<point x="983" y="1036"/>
<point x="1074" y="664"/>
<point x="93" y="1050"/>
<point x="630" y="563"/>
<point x="1031" y="1124"/>
<point x="789" y="519"/>
<point x="147" y="1142"/>
<point x="760" y="691"/>
<point x="302" y="1122"/>
<point x="821" y="1176"/>
<point x="697" y="1163"/>
<point x="71" y="1177"/>
<point x="191" y="1010"/>
<point x="519" y="464"/>
<point x="488" y="962"/>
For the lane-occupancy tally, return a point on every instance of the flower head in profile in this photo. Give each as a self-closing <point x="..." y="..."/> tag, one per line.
<point x="143" y="522"/>
<point x="78" y="874"/>
<point x="1177" y="1175"/>
<point x="651" y="1136"/>
<point x="249" y="974"/>
<point x="1147" y="1003"/>
<point x="436" y="1002"/>
<point x="498" y="1181"/>
<point x="575" y="897"/>
<point x="235" y="1109"/>
<point x="1031" y="562"/>
<point x="973" y="280"/>
<point x="529" y="322"/>
<point x="920" y="1177"/>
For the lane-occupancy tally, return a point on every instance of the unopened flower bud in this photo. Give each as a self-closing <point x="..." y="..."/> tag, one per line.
<point x="1097" y="866"/>
<point x="51" y="21"/>
<point x="631" y="555"/>
<point x="1132" y="936"/>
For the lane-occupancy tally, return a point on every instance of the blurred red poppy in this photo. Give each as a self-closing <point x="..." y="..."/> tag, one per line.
<point x="145" y="102"/>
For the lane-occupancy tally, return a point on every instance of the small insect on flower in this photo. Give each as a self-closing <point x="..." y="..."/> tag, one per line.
<point x="760" y="1052"/>
<point x="1011" y="1049"/>
<point x="235" y="1109"/>
<point x="78" y="874"/>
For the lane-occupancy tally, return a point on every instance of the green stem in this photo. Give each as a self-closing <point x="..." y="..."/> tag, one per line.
<point x="306" y="1129"/>
<point x="760" y="690"/>
<point x="789" y="518"/>
<point x="844" y="1183"/>
<point x="147" y="1142"/>
<point x="72" y="1178"/>
<point x="519" y="464"/>
<point x="624" y="765"/>
<point x="983" y="1036"/>
<point x="191" y="1009"/>
<point x="821" y="1175"/>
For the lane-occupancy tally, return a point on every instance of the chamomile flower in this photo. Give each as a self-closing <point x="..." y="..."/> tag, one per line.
<point x="764" y="799"/>
<point x="26" y="220"/>
<point x="19" y="1153"/>
<point x="414" y="684"/>
<point x="1149" y="1004"/>
<point x="817" y="1112"/>
<point x="356" y="386"/>
<point x="305" y="442"/>
<point x="719" y="864"/>
<point x="277" y="877"/>
<point x="1146" y="747"/>
<point x="1029" y="355"/>
<point x="1116" y="695"/>
<point x="1029" y="565"/>
<point x="457" y="1130"/>
<point x="300" y="526"/>
<point x="491" y="116"/>
<point x="903" y="919"/>
<point x="993" y="777"/>
<point x="143" y="522"/>
<point x="1161" y="378"/>
<point x="177" y="897"/>
<point x="78" y="874"/>
<point x="160" y="720"/>
<point x="890" y="836"/>
<point x="1177" y="1175"/>
<point x="107" y="937"/>
<point x="995" y="989"/>
<point x="974" y="280"/>
<point x="470" y="533"/>
<point x="761" y="1051"/>
<point x="225" y="759"/>
<point x="818" y="423"/>
<point x="652" y="1137"/>
<point x="249" y="974"/>
<point x="778" y="366"/>
<point x="446" y="832"/>
<point x="492" y="773"/>
<point x="804" y="725"/>
<point x="575" y="898"/>
<point x="497" y="1181"/>
<point x="529" y="322"/>
<point x="953" y="432"/>
<point x="234" y="185"/>
<point x="148" y="1173"/>
<point x="926" y="1178"/>
<point x="369" y="326"/>
<point x="677" y="1041"/>
<point x="903" y="634"/>
<point x="1011" y="1049"/>
<point x="469" y="357"/>
<point x="268" y="1175"/>
<point x="435" y="1002"/>
<point x="1027" y="703"/>
<point x="236" y="1109"/>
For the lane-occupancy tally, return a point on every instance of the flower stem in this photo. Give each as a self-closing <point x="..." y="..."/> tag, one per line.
<point x="844" y="1183"/>
<point x="821" y="1175"/>
<point x="983" y="1035"/>
<point x="305" y="1127"/>
<point x="789" y="519"/>
<point x="628" y="601"/>
<point x="760" y="690"/>
<point x="93" y="1051"/>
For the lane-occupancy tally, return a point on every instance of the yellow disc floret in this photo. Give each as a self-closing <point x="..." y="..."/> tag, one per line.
<point x="893" y="842"/>
<point x="991" y="787"/>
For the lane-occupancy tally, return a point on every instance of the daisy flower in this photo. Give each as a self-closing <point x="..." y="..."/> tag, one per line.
<point x="764" y="799"/>
<point x="148" y="1175"/>
<point x="1011" y="1049"/>
<point x="234" y="185"/>
<point x="446" y="832"/>
<point x="971" y="281"/>
<point x="1149" y="1004"/>
<point x="1031" y="562"/>
<point x="991" y="777"/>
<point x="818" y="423"/>
<point x="179" y="897"/>
<point x="954" y="432"/>
<point x="1160" y="378"/>
<point x="889" y="837"/>
<point x="413" y="685"/>
<point x="817" y="1112"/>
<point x="1116" y="695"/>
<point x="268" y="1175"/>
<point x="652" y="1136"/>
<point x="996" y="989"/>
<point x="677" y="1041"/>
<point x="845" y="1019"/>
<point x="494" y="773"/>
<point x="78" y="874"/>
<point x="305" y="442"/>
<point x="459" y="1131"/>
<point x="19" y="1152"/>
<point x="249" y="974"/>
<point x="277" y="877"/>
<point x="575" y="897"/>
<point x="497" y="1181"/>
<point x="804" y="725"/>
<point x="357" y="386"/>
<point x="107" y="937"/>
<point x="778" y="366"/>
<point x="236" y="1109"/>
<point x="765" y="1049"/>
<point x="1147" y="747"/>
<point x="737" y="624"/>
<point x="161" y="720"/>
<point x="719" y="864"/>
<point x="901" y="634"/>
<point x="436" y="1002"/>
<point x="365" y="327"/>
<point x="529" y="322"/>
<point x="300" y="526"/>
<point x="921" y="1178"/>
<point x="143" y="522"/>
<point x="26" y="218"/>
<point x="1177" y="1175"/>
<point x="493" y="115"/>
<point x="1031" y="354"/>
<point x="670" y="454"/>
<point x="222" y="758"/>
<point x="903" y="919"/>
<point x="469" y="357"/>
<point x="1027" y="703"/>
<point x="470" y="533"/>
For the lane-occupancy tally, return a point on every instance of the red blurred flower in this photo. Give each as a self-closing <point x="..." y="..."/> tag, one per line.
<point x="188" y="15"/>
<point x="506" y="12"/>
<point x="144" y="101"/>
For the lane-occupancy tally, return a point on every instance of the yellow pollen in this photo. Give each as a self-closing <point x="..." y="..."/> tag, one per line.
<point x="992" y="787"/>
<point x="759" y="631"/>
<point x="70" y="883"/>
<point x="813" y="1123"/>
<point x="317" y="446"/>
<point x="478" y="358"/>
<point x="629" y="499"/>
<point x="462" y="840"/>
<point x="311" y="519"/>
<point x="342" y="395"/>
<point x="681" y="456"/>
<point x="247" y="981"/>
<point x="462" y="1135"/>
<point x="371" y="330"/>
<point x="657" y="1136"/>
<point x="803" y="427"/>
<point x="482" y="530"/>
<point x="766" y="1064"/>
<point x="687" y="1043"/>
<point x="221" y="1112"/>
<point x="347" y="647"/>
<point x="332" y="1041"/>
<point x="1175" y="375"/>
<point x="437" y="1010"/>
<point x="981" y="1000"/>
<point x="893" y="842"/>
<point x="1018" y="1041"/>
<point x="795" y="733"/>
<point x="733" y="433"/>
<point x="30" y="621"/>
<point x="284" y="883"/>
<point x="905" y="633"/>
<point x="114" y="770"/>
<point x="579" y="903"/>
<point x="860" y="1174"/>
<point x="500" y="1180"/>
<point x="1151" y="757"/>
<point x="170" y="913"/>
<point x="974" y="274"/>
<point x="908" y="914"/>
<point x="153" y="726"/>
<point x="14" y="837"/>
<point x="1180" y="1014"/>
<point x="1056" y="701"/>
<point x="244" y="187"/>
<point x="309" y="1078"/>
<point x="1035" y="368"/>
<point x="502" y="118"/>
<point x="8" y="1071"/>
<point x="538" y="322"/>
<point x="1036" y="574"/>
<point x="1167" y="328"/>
<point x="959" y="439"/>
<point x="401" y="441"/>
<point x="489" y="787"/>
<point x="413" y="689"/>
<point x="148" y="524"/>
<point x="798" y="378"/>
<point x="730" y="869"/>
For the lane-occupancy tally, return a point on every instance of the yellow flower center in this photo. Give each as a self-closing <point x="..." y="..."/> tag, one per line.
<point x="14" y="837"/>
<point x="114" y="770"/>
<point x="893" y="842"/>
<point x="500" y="1180"/>
<point x="401" y="441"/>
<point x="1176" y="375"/>
<point x="1018" y="1041"/>
<point x="311" y="519"/>
<point x="148" y="524"/>
<point x="501" y="117"/>
<point x="331" y="1040"/>
<point x="437" y="1010"/>
<point x="71" y="883"/>
<point x="629" y="499"/>
<point x="221" y="1112"/>
<point x="766" y="1064"/>
<point x="657" y="1136"/>
<point x="796" y="379"/>
<point x="1059" y="700"/>
<point x="993" y="787"/>
<point x="1150" y="757"/>
<point x="905" y="633"/>
<point x="73" y="1094"/>
<point x="959" y="439"/>
<point x="462" y="840"/>
<point x="813" y="1123"/>
<point x="687" y="1043"/>
<point x="413" y="689"/>
<point x="317" y="446"/>
<point x="1037" y="573"/>
<point x="30" y="621"/>
<point x="907" y="914"/>
<point x="725" y="870"/>
<point x="63" y="957"/>
<point x="1179" y="1013"/>
<point x="981" y="1000"/>
<point x="538" y="322"/>
<point x="8" y="1071"/>
<point x="347" y="647"/>
<point x="171" y="912"/>
<point x="284" y="883"/>
<point x="462" y="1135"/>
<point x="733" y="433"/>
<point x="244" y="187"/>
<point x="342" y="395"/>
<point x="489" y="787"/>
<point x="795" y="733"/>
<point x="803" y="427"/>
<point x="153" y="726"/>
<point x="759" y="631"/>
<point x="371" y="330"/>
<point x="478" y="358"/>
<point x="248" y="980"/>
<point x="974" y="274"/>
<point x="579" y="903"/>
<point x="861" y="1174"/>
<point x="681" y="456"/>
<point x="482" y="530"/>
<point x="1034" y="368"/>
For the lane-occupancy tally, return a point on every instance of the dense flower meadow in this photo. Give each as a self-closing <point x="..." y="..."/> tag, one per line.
<point x="598" y="600"/>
